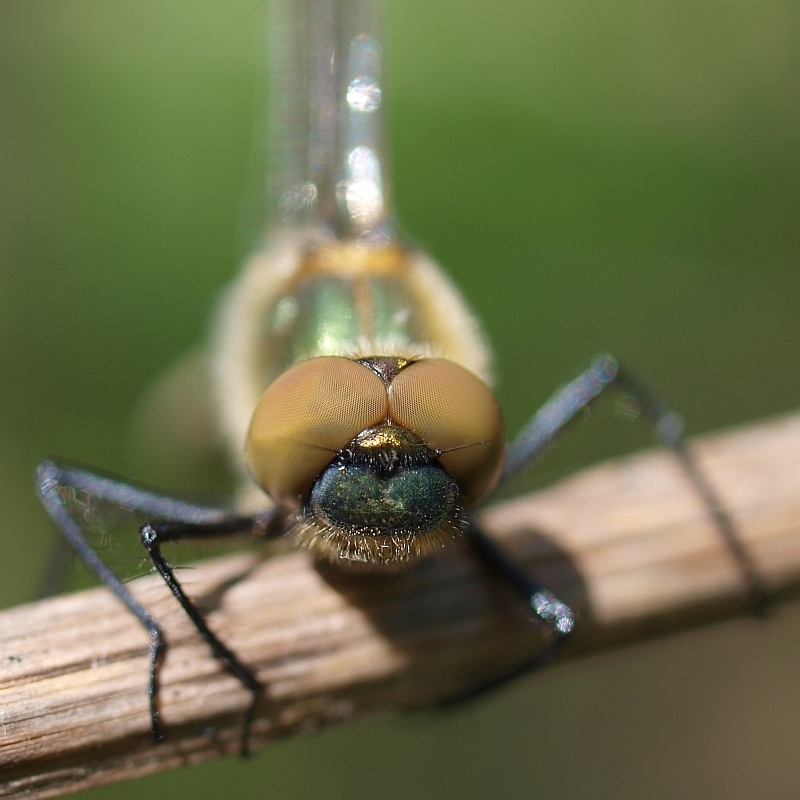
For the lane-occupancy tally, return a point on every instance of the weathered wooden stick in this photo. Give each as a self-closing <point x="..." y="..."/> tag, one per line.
<point x="627" y="542"/>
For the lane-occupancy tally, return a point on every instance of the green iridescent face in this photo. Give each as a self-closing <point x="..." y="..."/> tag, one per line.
<point x="385" y="499"/>
<point x="381" y="493"/>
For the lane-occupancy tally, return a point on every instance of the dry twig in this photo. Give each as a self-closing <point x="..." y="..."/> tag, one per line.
<point x="627" y="543"/>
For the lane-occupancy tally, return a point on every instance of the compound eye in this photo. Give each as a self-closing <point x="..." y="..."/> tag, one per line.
<point x="452" y="410"/>
<point x="304" y="417"/>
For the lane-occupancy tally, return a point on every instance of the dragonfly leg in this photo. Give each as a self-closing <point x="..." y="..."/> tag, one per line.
<point x="556" y="615"/>
<point x="548" y="609"/>
<point x="187" y="520"/>
<point x="153" y="534"/>
<point x="537" y="437"/>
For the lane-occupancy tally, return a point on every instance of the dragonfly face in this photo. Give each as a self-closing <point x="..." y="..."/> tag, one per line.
<point x="372" y="443"/>
<point x="411" y="441"/>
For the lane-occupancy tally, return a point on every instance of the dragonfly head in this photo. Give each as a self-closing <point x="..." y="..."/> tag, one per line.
<point x="377" y="457"/>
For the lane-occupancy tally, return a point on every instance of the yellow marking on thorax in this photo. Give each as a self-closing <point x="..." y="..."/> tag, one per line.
<point x="350" y="259"/>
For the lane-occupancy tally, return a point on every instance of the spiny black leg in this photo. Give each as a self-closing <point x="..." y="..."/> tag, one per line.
<point x="153" y="534"/>
<point x="158" y="649"/>
<point x="51" y="478"/>
<point x="555" y="615"/>
<point x="669" y="428"/>
<point x="535" y="440"/>
<point x="125" y="495"/>
<point x="537" y="437"/>
<point x="185" y="520"/>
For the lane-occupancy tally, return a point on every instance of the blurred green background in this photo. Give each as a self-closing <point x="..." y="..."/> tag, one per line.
<point x="617" y="175"/>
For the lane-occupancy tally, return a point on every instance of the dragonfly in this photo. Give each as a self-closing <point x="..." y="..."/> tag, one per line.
<point x="352" y="384"/>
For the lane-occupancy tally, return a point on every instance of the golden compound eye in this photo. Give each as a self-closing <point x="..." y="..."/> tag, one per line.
<point x="452" y="410"/>
<point x="304" y="417"/>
